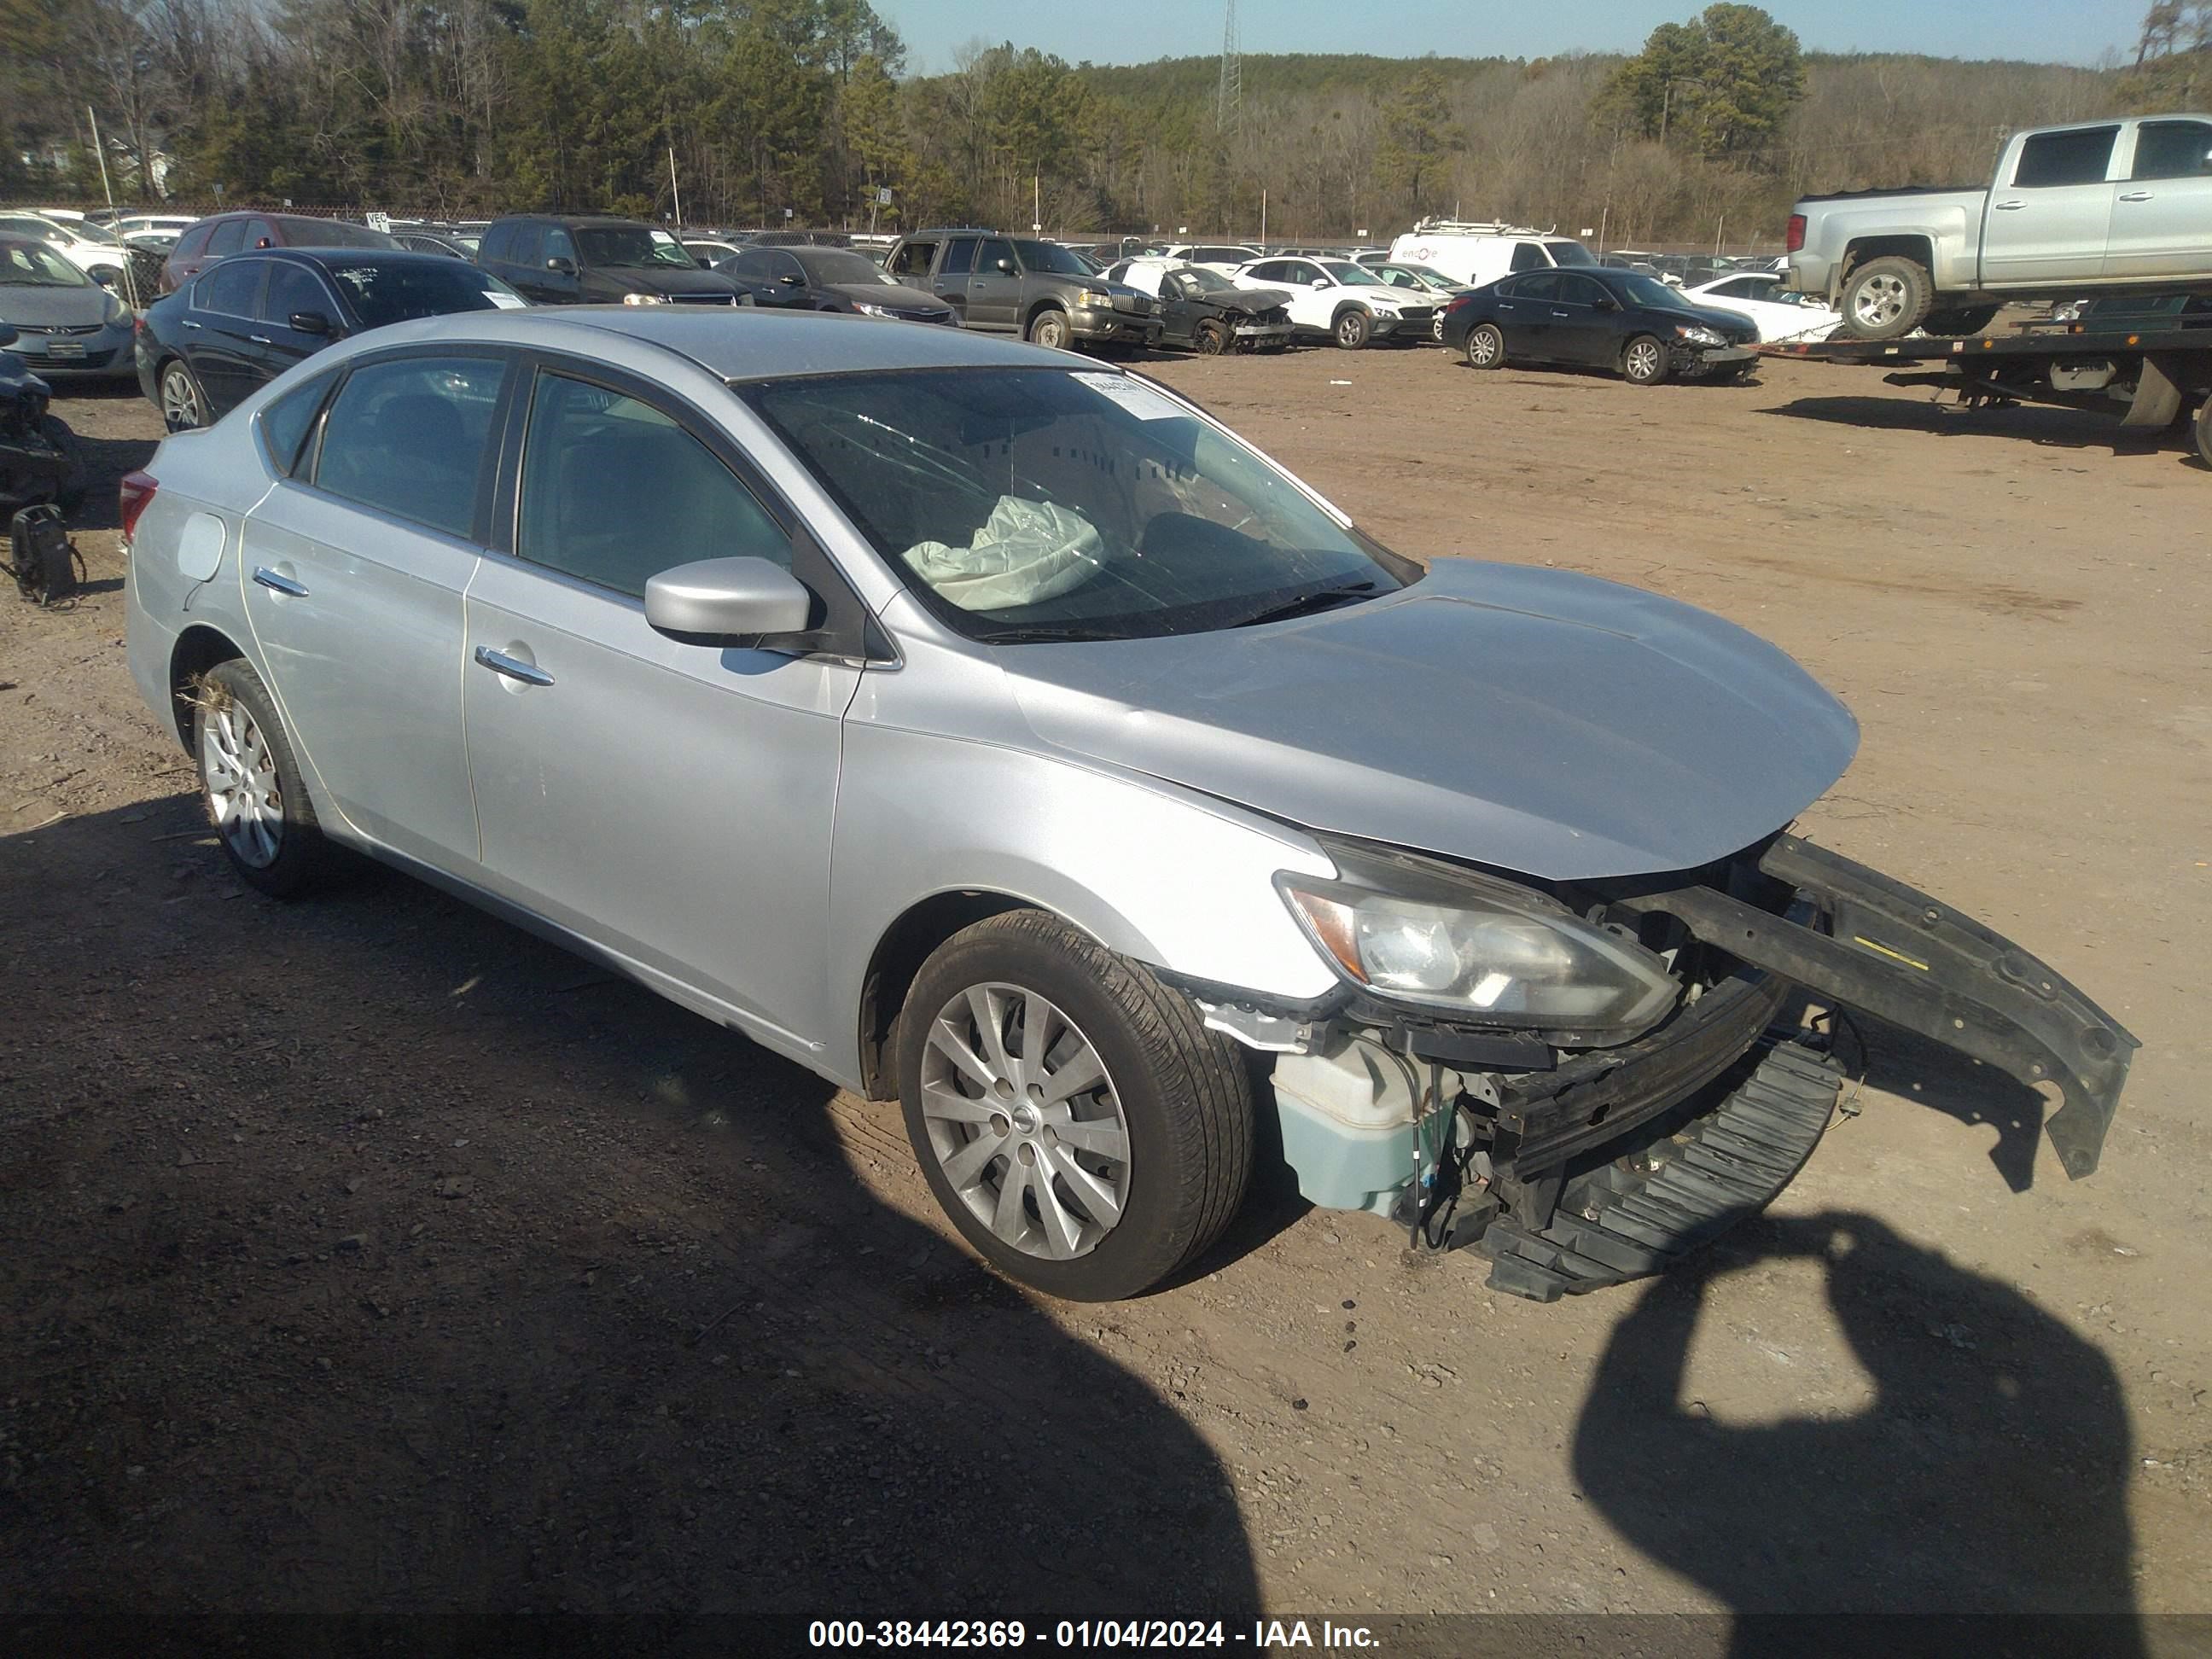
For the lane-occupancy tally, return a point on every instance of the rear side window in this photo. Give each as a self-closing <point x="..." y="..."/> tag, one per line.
<point x="1541" y="286"/>
<point x="494" y="246"/>
<point x="234" y="287"/>
<point x="2173" y="149"/>
<point x="1529" y="256"/>
<point x="227" y="237"/>
<point x="2053" y="159"/>
<point x="615" y="492"/>
<point x="408" y="437"/>
<point x="286" y="423"/>
<point x="192" y="241"/>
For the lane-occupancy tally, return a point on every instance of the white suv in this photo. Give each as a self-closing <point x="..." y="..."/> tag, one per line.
<point x="1346" y="302"/>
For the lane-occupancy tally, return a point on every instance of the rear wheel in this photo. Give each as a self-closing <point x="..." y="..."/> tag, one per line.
<point x="184" y="405"/>
<point x="1049" y="328"/>
<point x="1074" y="1116"/>
<point x="1886" y="299"/>
<point x="1352" y="328"/>
<point x="2204" y="431"/>
<point x="251" y="784"/>
<point x="1645" y="360"/>
<point x="1485" y="346"/>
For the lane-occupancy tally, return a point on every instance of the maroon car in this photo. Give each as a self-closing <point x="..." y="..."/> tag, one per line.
<point x="221" y="234"/>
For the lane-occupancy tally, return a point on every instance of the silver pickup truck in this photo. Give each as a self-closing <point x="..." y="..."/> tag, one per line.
<point x="2080" y="209"/>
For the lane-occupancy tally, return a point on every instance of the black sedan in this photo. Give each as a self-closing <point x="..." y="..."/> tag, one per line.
<point x="1634" y="324"/>
<point x="830" y="279"/>
<point x="217" y="340"/>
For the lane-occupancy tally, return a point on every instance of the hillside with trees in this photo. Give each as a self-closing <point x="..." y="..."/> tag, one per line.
<point x="802" y="108"/>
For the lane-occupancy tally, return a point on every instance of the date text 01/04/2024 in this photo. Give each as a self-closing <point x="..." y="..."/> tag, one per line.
<point x="1082" y="1633"/>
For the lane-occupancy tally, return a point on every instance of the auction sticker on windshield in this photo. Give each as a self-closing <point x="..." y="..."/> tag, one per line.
<point x="1140" y="400"/>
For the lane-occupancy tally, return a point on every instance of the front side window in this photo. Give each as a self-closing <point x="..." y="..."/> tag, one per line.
<point x="1571" y="253"/>
<point x="1352" y="276"/>
<point x="1066" y="504"/>
<point x="227" y="237"/>
<point x="987" y="260"/>
<point x="1528" y="256"/>
<point x="407" y="436"/>
<point x="1580" y="291"/>
<point x="614" y="491"/>
<point x="913" y="259"/>
<point x="2053" y="159"/>
<point x="293" y="289"/>
<point x="2173" y="149"/>
<point x="1050" y="257"/>
<point x="630" y="247"/>
<point x="234" y="287"/>
<point x="557" y="244"/>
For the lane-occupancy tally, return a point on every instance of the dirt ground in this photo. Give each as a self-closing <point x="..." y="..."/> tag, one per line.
<point x="370" y="1254"/>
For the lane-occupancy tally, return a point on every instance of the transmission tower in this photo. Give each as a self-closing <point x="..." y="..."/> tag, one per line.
<point x="1228" y="104"/>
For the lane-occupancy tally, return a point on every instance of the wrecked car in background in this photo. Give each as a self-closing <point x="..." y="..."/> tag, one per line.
<point x="1166" y="813"/>
<point x="1202" y="311"/>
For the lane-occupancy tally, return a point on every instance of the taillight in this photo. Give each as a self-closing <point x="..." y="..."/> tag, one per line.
<point x="131" y="497"/>
<point x="1793" y="240"/>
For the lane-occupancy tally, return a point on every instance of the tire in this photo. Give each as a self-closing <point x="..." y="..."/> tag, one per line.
<point x="1210" y="341"/>
<point x="2205" y="432"/>
<point x="1049" y="328"/>
<point x="1178" y="1095"/>
<point x="1352" y="329"/>
<point x="1886" y="299"/>
<point x="1643" y="361"/>
<point x="1966" y="319"/>
<point x="1485" y="346"/>
<point x="265" y="822"/>
<point x="184" y="405"/>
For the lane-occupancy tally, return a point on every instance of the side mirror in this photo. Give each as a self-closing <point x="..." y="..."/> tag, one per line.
<point x="1006" y="266"/>
<point x="1605" y="302"/>
<point x="790" y="280"/>
<point x="310" y="322"/>
<point x="562" y="265"/>
<point x="1318" y="282"/>
<point x="7" y="334"/>
<point x="728" y="598"/>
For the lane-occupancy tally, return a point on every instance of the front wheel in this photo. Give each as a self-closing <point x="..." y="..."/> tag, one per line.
<point x="1049" y="328"/>
<point x="1644" y="362"/>
<point x="252" y="787"/>
<point x="2204" y="431"/>
<point x="1352" y="329"/>
<point x="1073" y="1115"/>
<point x="1485" y="346"/>
<point x="184" y="405"/>
<point x="1213" y="340"/>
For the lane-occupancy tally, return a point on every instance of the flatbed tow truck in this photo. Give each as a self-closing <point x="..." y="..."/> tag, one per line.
<point x="2154" y="371"/>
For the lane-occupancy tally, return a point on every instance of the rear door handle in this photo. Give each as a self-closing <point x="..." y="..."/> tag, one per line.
<point x="514" y="667"/>
<point x="2007" y="207"/>
<point x="2137" y="196"/>
<point x="258" y="339"/>
<point x="189" y="323"/>
<point x="276" y="583"/>
<point x="1562" y="314"/>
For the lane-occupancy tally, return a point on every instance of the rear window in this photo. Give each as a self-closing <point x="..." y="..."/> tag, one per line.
<point x="2053" y="159"/>
<point x="332" y="233"/>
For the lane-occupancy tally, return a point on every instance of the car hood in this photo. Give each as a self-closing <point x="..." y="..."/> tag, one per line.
<point x="1533" y="721"/>
<point x="30" y="305"/>
<point x="1251" y="298"/>
<point x="891" y="293"/>
<point x="1734" y="324"/>
<point x="669" y="279"/>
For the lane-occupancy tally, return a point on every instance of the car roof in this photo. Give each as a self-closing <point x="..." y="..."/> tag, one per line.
<point x="344" y="256"/>
<point x="576" y="221"/>
<point x="745" y="345"/>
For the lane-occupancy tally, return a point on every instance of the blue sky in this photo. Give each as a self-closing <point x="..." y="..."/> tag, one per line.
<point x="1136" y="31"/>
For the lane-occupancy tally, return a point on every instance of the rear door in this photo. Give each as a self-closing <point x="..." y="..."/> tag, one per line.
<point x="1524" y="311"/>
<point x="955" y="265"/>
<point x="354" y="576"/>
<point x="669" y="800"/>
<point x="2047" y="223"/>
<point x="219" y="333"/>
<point x="2162" y="223"/>
<point x="994" y="295"/>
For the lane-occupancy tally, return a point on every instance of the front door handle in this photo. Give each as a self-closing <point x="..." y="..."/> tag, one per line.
<point x="1562" y="314"/>
<point x="514" y="667"/>
<point x="2008" y="207"/>
<point x="2137" y="196"/>
<point x="189" y="323"/>
<point x="258" y="339"/>
<point x="276" y="583"/>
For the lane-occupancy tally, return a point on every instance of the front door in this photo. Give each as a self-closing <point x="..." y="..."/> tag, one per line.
<point x="2049" y="223"/>
<point x="2162" y="212"/>
<point x="1582" y="332"/>
<point x="995" y="290"/>
<point x="292" y="289"/>
<point x="352" y="581"/>
<point x="668" y="799"/>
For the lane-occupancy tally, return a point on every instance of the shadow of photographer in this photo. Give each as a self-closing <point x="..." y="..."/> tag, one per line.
<point x="1987" y="1473"/>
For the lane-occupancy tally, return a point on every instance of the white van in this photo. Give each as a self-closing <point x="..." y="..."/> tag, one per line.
<point x="1479" y="253"/>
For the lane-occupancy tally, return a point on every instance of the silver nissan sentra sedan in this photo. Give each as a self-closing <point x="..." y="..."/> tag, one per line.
<point x="990" y="728"/>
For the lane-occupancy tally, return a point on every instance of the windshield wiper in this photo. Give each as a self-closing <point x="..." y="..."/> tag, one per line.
<point x="1306" y="604"/>
<point x="1043" y="636"/>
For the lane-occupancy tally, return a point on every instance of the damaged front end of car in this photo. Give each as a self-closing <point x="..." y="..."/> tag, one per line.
<point x="1584" y="1081"/>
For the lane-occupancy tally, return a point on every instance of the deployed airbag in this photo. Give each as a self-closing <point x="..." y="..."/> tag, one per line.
<point x="1026" y="551"/>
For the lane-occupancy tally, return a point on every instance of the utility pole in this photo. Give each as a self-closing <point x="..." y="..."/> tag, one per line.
<point x="1228" y="101"/>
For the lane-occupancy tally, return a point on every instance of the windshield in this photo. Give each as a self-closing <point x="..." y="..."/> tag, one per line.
<point x="837" y="265"/>
<point x="333" y="233"/>
<point x="631" y="247"/>
<point x="1650" y="291"/>
<point x="1570" y="253"/>
<point x="1428" y="274"/>
<point x="381" y="294"/>
<point x="1050" y="503"/>
<point x="1352" y="276"/>
<point x="33" y="264"/>
<point x="1208" y="282"/>
<point x="1050" y="256"/>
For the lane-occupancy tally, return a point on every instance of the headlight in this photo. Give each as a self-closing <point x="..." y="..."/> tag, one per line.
<point x="867" y="310"/>
<point x="1698" y="335"/>
<point x="644" y="299"/>
<point x="1097" y="298"/>
<point x="1491" y="952"/>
